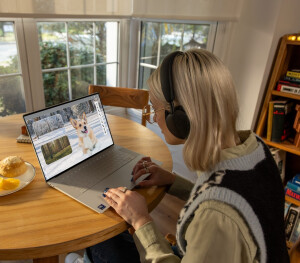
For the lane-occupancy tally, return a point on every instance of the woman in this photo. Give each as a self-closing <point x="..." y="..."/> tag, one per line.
<point x="234" y="212"/>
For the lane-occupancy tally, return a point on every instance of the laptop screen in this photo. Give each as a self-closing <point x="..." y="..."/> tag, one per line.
<point x="67" y="134"/>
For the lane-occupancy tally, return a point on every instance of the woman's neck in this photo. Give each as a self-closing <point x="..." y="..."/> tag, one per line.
<point x="231" y="141"/>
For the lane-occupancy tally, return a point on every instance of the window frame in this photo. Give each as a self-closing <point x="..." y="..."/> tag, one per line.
<point x="22" y="59"/>
<point x="34" y="60"/>
<point x="210" y="42"/>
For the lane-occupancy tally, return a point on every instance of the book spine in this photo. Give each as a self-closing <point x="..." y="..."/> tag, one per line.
<point x="292" y="193"/>
<point x="287" y="206"/>
<point x="296" y="232"/>
<point x="293" y="80"/>
<point x="288" y="89"/>
<point x="290" y="222"/>
<point x="296" y="180"/>
<point x="278" y="122"/>
<point x="270" y="120"/>
<point x="294" y="187"/>
<point x="293" y="74"/>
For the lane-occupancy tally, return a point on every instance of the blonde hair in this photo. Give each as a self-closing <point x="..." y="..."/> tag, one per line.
<point x="203" y="86"/>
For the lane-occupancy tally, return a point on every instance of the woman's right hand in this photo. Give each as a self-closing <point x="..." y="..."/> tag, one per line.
<point x="158" y="177"/>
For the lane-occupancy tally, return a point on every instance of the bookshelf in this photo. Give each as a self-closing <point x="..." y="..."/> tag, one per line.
<point x="287" y="58"/>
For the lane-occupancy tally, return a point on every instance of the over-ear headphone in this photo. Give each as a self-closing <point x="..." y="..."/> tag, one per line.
<point x="176" y="120"/>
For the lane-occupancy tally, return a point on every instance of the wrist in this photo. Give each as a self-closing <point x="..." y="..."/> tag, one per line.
<point x="142" y="221"/>
<point x="173" y="177"/>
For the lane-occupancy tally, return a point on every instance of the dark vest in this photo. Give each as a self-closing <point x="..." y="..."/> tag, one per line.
<point x="252" y="185"/>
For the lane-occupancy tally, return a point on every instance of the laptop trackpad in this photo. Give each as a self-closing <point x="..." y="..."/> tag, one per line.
<point x="122" y="177"/>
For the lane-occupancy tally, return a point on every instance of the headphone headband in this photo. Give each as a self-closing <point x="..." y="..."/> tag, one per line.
<point x="166" y="76"/>
<point x="176" y="120"/>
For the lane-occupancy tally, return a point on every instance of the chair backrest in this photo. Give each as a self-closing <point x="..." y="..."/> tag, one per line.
<point x="123" y="97"/>
<point x="294" y="252"/>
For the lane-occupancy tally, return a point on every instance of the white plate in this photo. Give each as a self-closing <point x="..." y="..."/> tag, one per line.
<point x="25" y="179"/>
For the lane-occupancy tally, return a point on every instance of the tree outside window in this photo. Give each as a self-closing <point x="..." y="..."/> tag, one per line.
<point x="158" y="39"/>
<point x="76" y="54"/>
<point x="11" y="83"/>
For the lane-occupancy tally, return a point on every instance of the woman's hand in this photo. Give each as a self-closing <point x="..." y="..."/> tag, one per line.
<point x="158" y="176"/>
<point x="130" y="205"/>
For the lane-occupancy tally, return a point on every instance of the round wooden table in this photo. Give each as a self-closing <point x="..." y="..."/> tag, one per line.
<point x="39" y="222"/>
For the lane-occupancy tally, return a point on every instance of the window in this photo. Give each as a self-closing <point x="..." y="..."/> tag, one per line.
<point x="75" y="54"/>
<point x="159" y="39"/>
<point x="46" y="62"/>
<point x="11" y="80"/>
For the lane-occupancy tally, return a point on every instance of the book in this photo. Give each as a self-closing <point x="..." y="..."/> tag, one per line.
<point x="293" y="74"/>
<point x="296" y="232"/>
<point x="291" y="221"/>
<point x="293" y="187"/>
<point x="279" y="113"/>
<point x="23" y="139"/>
<point x="288" y="87"/>
<point x="270" y="120"/>
<point x="287" y="206"/>
<point x="296" y="180"/>
<point x="291" y="79"/>
<point x="280" y="158"/>
<point x="291" y="193"/>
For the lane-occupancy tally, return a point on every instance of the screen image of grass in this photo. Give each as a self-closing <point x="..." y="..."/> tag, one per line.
<point x="57" y="149"/>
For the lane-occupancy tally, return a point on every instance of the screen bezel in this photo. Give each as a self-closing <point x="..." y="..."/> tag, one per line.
<point x="59" y="105"/>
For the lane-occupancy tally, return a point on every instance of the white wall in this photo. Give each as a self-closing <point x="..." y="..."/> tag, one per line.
<point x="288" y="22"/>
<point x="188" y="9"/>
<point x="66" y="7"/>
<point x="248" y="53"/>
<point x="252" y="49"/>
<point x="171" y="9"/>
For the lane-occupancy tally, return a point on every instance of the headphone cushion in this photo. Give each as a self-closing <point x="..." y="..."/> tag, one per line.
<point x="178" y="123"/>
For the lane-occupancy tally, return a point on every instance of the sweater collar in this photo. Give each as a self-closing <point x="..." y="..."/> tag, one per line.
<point x="241" y="157"/>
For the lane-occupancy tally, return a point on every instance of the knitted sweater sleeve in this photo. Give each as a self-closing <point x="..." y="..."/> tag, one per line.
<point x="213" y="233"/>
<point x="181" y="188"/>
<point x="152" y="246"/>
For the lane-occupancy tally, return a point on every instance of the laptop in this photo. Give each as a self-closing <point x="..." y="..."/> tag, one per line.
<point x="76" y="151"/>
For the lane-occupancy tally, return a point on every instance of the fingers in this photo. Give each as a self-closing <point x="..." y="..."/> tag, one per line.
<point x="145" y="183"/>
<point x="140" y="163"/>
<point x="142" y="168"/>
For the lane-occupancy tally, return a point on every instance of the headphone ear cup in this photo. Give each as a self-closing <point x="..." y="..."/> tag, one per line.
<point x="178" y="123"/>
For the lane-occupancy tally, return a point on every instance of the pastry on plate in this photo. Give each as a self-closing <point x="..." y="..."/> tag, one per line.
<point x="12" y="166"/>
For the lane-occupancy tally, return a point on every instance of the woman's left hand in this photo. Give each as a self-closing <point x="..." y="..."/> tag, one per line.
<point x="130" y="205"/>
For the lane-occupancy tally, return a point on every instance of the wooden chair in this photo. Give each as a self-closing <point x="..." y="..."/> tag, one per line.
<point x="294" y="253"/>
<point x="124" y="97"/>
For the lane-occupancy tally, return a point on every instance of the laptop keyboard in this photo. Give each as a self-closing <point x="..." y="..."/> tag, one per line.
<point x="98" y="168"/>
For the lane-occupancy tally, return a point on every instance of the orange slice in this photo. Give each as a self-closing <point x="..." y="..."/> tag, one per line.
<point x="9" y="184"/>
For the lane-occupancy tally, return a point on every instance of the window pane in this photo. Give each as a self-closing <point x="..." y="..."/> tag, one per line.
<point x="171" y="39"/>
<point x="143" y="77"/>
<point x="195" y="36"/>
<point x="52" y="41"/>
<point x="106" y="32"/>
<point x="100" y="38"/>
<point x="81" y="79"/>
<point x="149" y="43"/>
<point x="160" y="39"/>
<point x="11" y="96"/>
<point x="107" y="74"/>
<point x="8" y="49"/>
<point x="72" y="45"/>
<point x="56" y="87"/>
<point x="81" y="43"/>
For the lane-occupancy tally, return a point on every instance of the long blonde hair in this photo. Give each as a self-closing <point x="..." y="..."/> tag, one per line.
<point x="204" y="87"/>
